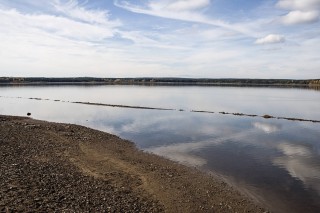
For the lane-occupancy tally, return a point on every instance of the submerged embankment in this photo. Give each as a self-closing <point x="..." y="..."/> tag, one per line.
<point x="266" y="116"/>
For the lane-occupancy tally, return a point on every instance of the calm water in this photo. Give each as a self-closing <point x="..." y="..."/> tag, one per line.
<point x="276" y="161"/>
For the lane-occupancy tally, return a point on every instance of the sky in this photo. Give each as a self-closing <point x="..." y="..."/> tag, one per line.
<point x="160" y="38"/>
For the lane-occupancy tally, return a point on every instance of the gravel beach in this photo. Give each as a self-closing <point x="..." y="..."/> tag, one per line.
<point x="46" y="167"/>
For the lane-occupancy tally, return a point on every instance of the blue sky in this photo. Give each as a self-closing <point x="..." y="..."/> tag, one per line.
<point x="160" y="38"/>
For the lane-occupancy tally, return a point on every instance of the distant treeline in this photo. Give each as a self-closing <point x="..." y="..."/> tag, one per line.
<point x="187" y="81"/>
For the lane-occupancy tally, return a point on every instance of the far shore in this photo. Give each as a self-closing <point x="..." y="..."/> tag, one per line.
<point x="49" y="166"/>
<point x="238" y="82"/>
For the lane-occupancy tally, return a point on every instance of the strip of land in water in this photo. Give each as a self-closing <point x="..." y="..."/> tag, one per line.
<point x="62" y="167"/>
<point x="266" y="116"/>
<point x="314" y="83"/>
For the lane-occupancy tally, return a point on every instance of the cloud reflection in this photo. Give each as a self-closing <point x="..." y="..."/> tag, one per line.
<point x="299" y="161"/>
<point x="267" y="128"/>
<point x="185" y="152"/>
<point x="180" y="153"/>
<point x="294" y="150"/>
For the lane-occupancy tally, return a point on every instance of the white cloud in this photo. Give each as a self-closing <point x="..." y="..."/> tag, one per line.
<point x="271" y="39"/>
<point x="177" y="11"/>
<point x="73" y="10"/>
<point x="300" y="17"/>
<point x="42" y="37"/>
<point x="55" y="25"/>
<point x="299" y="4"/>
<point x="180" y="5"/>
<point x="38" y="44"/>
<point x="301" y="12"/>
<point x="160" y="9"/>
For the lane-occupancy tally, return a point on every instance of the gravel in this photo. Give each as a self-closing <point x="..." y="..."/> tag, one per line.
<point x="48" y="167"/>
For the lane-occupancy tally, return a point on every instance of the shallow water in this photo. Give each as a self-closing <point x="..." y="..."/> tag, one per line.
<point x="276" y="161"/>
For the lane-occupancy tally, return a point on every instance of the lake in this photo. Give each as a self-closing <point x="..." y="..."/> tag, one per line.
<point x="276" y="161"/>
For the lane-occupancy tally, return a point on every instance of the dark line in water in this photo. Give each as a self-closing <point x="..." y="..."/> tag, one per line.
<point x="262" y="116"/>
<point x="121" y="106"/>
<point x="202" y="111"/>
<point x="266" y="116"/>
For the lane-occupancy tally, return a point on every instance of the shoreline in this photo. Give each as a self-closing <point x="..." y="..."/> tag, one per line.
<point x="161" y="81"/>
<point x="50" y="166"/>
<point x="257" y="85"/>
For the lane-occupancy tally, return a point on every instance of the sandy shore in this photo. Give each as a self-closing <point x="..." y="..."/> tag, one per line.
<point x="61" y="167"/>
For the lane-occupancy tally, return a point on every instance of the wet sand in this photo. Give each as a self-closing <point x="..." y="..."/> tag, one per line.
<point x="62" y="167"/>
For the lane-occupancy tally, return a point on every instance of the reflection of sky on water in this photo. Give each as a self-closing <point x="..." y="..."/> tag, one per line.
<point x="266" y="127"/>
<point x="302" y="162"/>
<point x="277" y="159"/>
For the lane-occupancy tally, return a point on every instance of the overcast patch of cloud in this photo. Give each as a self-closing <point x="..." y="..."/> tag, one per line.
<point x="271" y="39"/>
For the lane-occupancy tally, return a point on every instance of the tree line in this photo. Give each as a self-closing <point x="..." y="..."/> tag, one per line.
<point x="204" y="81"/>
